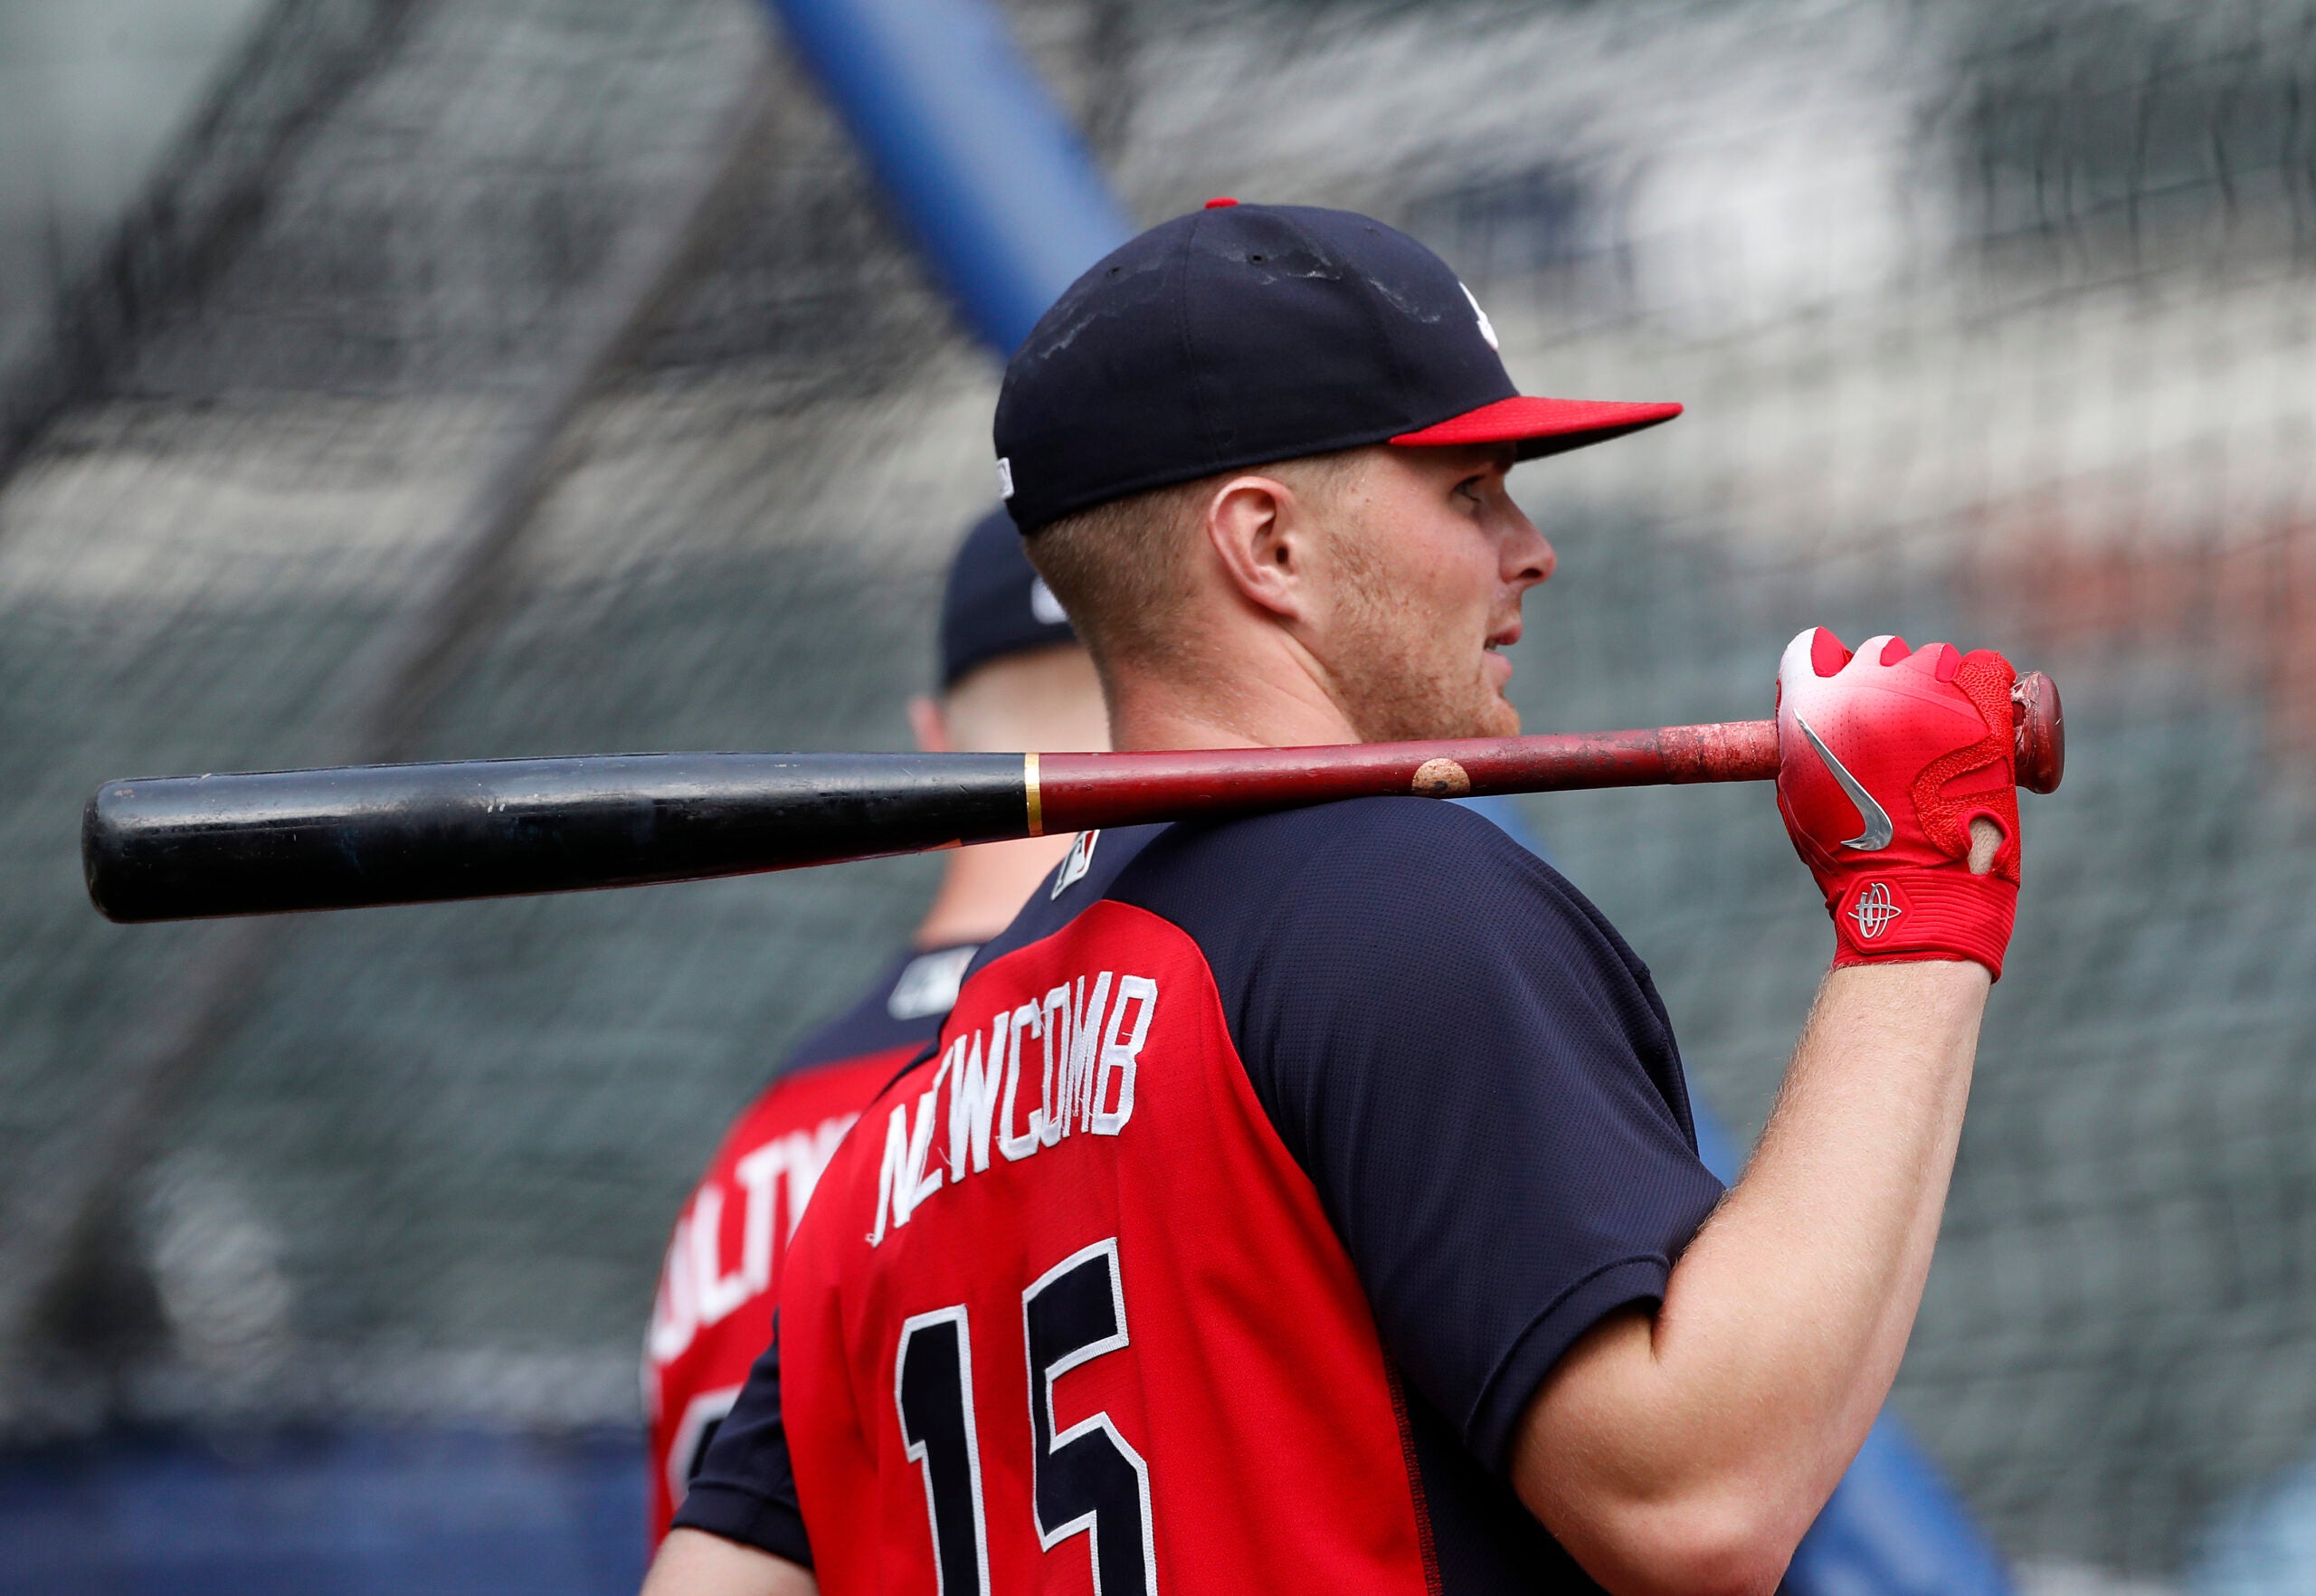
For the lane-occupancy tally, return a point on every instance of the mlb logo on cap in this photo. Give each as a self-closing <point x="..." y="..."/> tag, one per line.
<point x="1239" y="334"/>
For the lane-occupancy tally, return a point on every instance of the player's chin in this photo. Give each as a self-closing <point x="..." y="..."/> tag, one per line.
<point x="1495" y="714"/>
<point x="1495" y="717"/>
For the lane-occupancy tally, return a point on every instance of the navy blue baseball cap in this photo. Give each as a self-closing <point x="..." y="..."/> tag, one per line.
<point x="1240" y="335"/>
<point x="994" y="604"/>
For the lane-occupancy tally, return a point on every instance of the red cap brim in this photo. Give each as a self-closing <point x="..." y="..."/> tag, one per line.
<point x="1541" y="426"/>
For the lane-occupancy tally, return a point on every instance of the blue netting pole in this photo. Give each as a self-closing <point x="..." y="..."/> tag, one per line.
<point x="970" y="150"/>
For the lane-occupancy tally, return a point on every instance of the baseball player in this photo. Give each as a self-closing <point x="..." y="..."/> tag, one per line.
<point x="1310" y="1201"/>
<point x="1012" y="676"/>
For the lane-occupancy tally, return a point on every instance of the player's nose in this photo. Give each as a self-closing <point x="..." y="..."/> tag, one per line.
<point x="1528" y="556"/>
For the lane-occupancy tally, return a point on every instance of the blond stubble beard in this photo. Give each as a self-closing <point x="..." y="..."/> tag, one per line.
<point x="1390" y="680"/>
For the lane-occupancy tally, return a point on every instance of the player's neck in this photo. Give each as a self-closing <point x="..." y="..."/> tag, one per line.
<point x="1271" y="702"/>
<point x="982" y="888"/>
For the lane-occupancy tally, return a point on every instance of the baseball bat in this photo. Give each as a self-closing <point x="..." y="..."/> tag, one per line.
<point x="177" y="848"/>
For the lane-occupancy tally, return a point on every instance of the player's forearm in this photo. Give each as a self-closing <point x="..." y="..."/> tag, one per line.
<point x="1692" y="1449"/>
<point x="692" y="1563"/>
<point x="1800" y="1293"/>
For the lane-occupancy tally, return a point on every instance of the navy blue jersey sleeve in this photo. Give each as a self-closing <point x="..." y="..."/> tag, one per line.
<point x="1473" y="1070"/>
<point x="746" y="1489"/>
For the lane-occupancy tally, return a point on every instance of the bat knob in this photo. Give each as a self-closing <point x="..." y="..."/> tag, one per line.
<point x="2040" y="727"/>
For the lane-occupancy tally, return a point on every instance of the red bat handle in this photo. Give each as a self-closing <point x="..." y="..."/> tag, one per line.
<point x="1079" y="792"/>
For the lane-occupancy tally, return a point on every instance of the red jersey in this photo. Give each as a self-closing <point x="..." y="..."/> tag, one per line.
<point x="1263" y="1171"/>
<point x="712" y="1317"/>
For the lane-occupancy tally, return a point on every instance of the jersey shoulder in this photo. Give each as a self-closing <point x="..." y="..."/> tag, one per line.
<point x="1406" y="888"/>
<point x="1084" y="877"/>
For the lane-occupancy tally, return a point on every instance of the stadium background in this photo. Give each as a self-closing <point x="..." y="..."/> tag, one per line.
<point x="542" y="376"/>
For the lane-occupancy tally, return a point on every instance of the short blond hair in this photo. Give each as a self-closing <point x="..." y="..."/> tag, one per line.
<point x="1121" y="569"/>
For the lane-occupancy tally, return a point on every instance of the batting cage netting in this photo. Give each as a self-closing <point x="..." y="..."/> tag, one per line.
<point x="542" y="377"/>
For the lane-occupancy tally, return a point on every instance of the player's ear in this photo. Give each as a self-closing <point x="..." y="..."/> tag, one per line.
<point x="1261" y="537"/>
<point x="930" y="726"/>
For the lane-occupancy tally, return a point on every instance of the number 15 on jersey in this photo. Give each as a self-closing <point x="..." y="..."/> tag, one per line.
<point x="1087" y="1479"/>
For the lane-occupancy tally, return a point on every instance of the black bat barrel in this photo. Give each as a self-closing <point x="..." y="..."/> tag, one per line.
<point x="187" y="847"/>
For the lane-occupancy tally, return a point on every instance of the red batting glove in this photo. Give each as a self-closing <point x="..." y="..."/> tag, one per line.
<point x="1885" y="758"/>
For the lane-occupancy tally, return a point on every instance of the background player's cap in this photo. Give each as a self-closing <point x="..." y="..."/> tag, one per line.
<point x="995" y="605"/>
<point x="1239" y="334"/>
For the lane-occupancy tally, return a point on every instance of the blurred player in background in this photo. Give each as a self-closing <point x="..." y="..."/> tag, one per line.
<point x="1012" y="677"/>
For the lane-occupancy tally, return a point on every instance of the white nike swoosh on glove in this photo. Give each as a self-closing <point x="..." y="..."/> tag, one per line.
<point x="1878" y="828"/>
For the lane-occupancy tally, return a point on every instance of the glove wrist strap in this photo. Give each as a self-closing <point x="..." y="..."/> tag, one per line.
<point x="1895" y="916"/>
